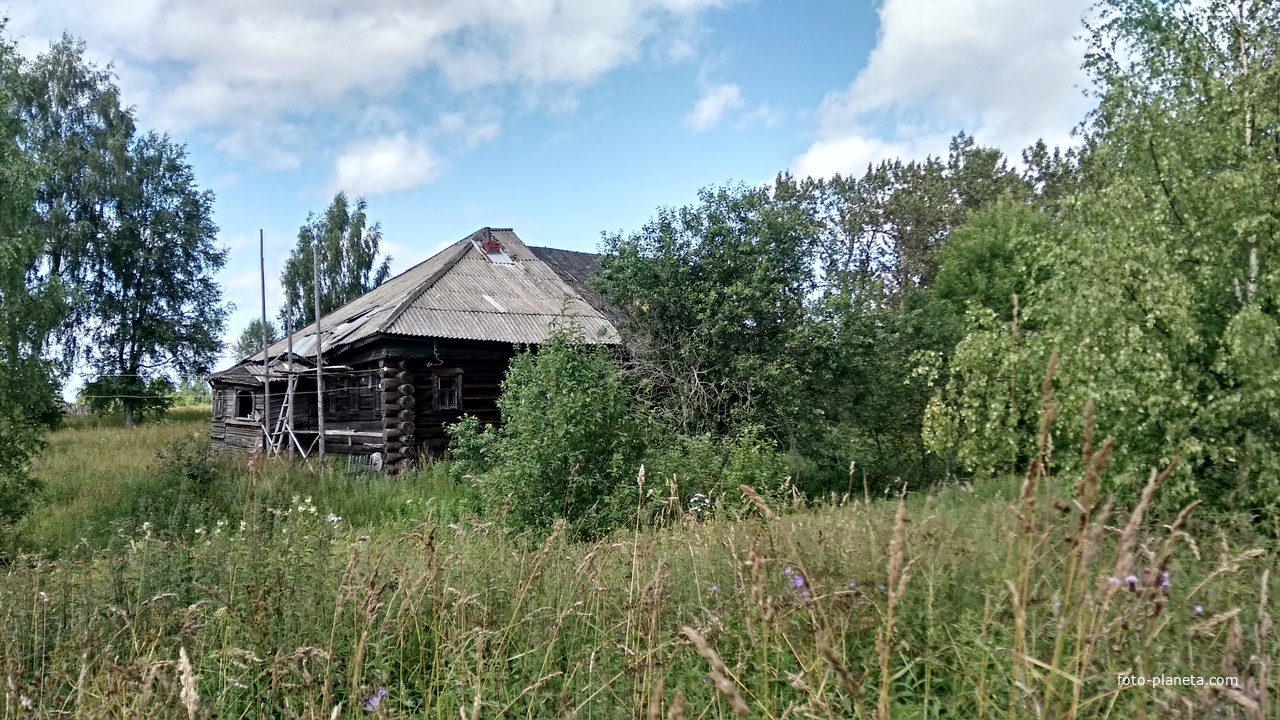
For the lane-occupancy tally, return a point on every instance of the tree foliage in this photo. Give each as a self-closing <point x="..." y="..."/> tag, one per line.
<point x="155" y="304"/>
<point x="571" y="440"/>
<point x="126" y="230"/>
<point x="250" y="340"/>
<point x="29" y="307"/>
<point x="799" y="308"/>
<point x="347" y="249"/>
<point x="1160" y="284"/>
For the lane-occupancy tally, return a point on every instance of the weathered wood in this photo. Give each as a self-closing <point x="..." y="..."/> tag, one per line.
<point x="406" y="389"/>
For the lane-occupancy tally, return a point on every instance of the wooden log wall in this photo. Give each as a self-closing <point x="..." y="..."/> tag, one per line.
<point x="399" y="427"/>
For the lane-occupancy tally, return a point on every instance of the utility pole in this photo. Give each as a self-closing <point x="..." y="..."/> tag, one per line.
<point x="266" y="342"/>
<point x="292" y="376"/>
<point x="315" y="282"/>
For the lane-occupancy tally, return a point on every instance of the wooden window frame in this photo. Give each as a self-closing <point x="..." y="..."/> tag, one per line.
<point x="253" y="405"/>
<point x="437" y="400"/>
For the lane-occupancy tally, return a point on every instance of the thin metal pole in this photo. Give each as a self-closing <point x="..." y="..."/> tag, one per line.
<point x="293" y="378"/>
<point x="315" y="282"/>
<point x="266" y="342"/>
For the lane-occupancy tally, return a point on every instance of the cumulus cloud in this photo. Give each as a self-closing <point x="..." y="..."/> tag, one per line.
<point x="711" y="108"/>
<point x="240" y="67"/>
<point x="384" y="165"/>
<point x="1006" y="71"/>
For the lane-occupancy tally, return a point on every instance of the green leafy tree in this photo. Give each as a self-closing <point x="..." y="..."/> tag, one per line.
<point x="349" y="265"/>
<point x="155" y="304"/>
<point x="126" y="232"/>
<point x="250" y="340"/>
<point x="713" y="299"/>
<point x="1162" y="292"/>
<point x="30" y="305"/>
<point x="77" y="135"/>
<point x="570" y="444"/>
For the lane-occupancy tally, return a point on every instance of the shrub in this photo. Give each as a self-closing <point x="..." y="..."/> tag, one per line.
<point x="573" y="432"/>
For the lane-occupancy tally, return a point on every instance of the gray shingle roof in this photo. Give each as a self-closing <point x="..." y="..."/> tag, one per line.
<point x="460" y="293"/>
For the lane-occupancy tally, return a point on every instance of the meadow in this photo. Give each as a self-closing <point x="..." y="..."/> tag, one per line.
<point x="155" y="579"/>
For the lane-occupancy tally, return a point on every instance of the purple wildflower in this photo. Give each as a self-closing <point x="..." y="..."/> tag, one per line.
<point x="1197" y="611"/>
<point x="714" y="589"/>
<point x="804" y="595"/>
<point x="787" y="571"/>
<point x="372" y="702"/>
<point x="797" y="581"/>
<point x="853" y="585"/>
<point x="1132" y="582"/>
<point x="1113" y="581"/>
<point x="1165" y="585"/>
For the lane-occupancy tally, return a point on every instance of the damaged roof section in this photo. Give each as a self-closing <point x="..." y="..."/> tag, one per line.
<point x="487" y="286"/>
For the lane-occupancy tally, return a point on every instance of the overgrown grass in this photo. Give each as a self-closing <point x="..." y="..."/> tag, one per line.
<point x="954" y="604"/>
<point x="101" y="482"/>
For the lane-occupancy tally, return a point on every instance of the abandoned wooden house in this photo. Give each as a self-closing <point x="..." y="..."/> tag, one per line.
<point x="409" y="357"/>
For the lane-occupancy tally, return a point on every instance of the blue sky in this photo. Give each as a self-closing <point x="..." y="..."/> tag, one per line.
<point x="560" y="118"/>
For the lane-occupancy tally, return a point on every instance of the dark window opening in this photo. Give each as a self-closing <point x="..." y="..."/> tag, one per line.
<point x="353" y="397"/>
<point x="218" y="400"/>
<point x="244" y="404"/>
<point x="448" y="392"/>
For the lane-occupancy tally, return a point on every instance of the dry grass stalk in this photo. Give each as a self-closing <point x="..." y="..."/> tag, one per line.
<point x="852" y="686"/>
<point x="896" y="587"/>
<point x="655" y="701"/>
<point x="676" y="711"/>
<point x="190" y="697"/>
<point x="759" y="502"/>
<point x="719" y="672"/>
<point x="1129" y="536"/>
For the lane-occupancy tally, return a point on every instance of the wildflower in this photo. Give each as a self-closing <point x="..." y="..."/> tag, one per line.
<point x="797" y="581"/>
<point x="787" y="571"/>
<point x="883" y="588"/>
<point x="1197" y="611"/>
<point x="1132" y="582"/>
<point x="333" y="519"/>
<point x="372" y="702"/>
<point x="1113" y="581"/>
<point x="199" y="531"/>
<point x="714" y="589"/>
<point x="1164" y="582"/>
<point x="853" y="585"/>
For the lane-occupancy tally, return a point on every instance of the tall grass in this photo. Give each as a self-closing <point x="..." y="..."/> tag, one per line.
<point x="1028" y="599"/>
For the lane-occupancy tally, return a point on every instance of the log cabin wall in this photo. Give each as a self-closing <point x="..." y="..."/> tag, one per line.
<point x="395" y="400"/>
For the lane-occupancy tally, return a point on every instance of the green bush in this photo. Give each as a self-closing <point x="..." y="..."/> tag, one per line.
<point x="573" y="433"/>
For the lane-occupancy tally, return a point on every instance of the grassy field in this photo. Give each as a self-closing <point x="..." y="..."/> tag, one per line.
<point x="159" y="581"/>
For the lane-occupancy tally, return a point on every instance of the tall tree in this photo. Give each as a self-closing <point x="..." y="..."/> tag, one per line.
<point x="250" y="340"/>
<point x="77" y="134"/>
<point x="348" y="260"/>
<point x="713" y="300"/>
<point x="155" y="305"/>
<point x="125" y="230"/>
<point x="1162" y="290"/>
<point x="29" y="306"/>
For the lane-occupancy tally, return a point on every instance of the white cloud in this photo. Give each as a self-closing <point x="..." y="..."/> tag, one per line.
<point x="384" y="165"/>
<point x="470" y="130"/>
<point x="712" y="106"/>
<point x="243" y="67"/>
<point x="1006" y="71"/>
